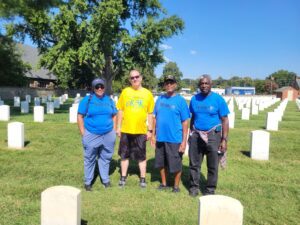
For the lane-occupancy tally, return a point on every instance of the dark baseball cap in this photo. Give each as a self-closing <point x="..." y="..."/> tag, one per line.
<point x="97" y="81"/>
<point x="170" y="77"/>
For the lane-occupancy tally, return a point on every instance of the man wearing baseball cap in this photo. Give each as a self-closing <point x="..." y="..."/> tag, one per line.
<point x="170" y="127"/>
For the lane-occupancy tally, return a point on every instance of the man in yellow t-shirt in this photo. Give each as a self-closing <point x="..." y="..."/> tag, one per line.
<point x="135" y="106"/>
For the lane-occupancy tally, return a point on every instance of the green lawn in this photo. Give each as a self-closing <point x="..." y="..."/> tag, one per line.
<point x="268" y="190"/>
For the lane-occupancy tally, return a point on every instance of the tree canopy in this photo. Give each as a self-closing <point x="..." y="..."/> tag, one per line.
<point x="86" y="39"/>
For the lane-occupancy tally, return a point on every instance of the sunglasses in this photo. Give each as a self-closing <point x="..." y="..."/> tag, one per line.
<point x="101" y="86"/>
<point x="135" y="77"/>
<point x="169" y="82"/>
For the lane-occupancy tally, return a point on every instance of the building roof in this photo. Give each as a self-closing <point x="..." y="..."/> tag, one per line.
<point x="283" y="89"/>
<point x="31" y="55"/>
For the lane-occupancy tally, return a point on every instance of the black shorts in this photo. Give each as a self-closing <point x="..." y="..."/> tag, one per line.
<point x="133" y="146"/>
<point x="168" y="155"/>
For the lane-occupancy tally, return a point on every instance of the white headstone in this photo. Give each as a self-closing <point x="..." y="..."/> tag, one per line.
<point x="1" y="102"/>
<point x="260" y="142"/>
<point x="28" y="98"/>
<point x="231" y="119"/>
<point x="37" y="101"/>
<point x="254" y="110"/>
<point x="4" y="112"/>
<point x="272" y="121"/>
<point x="38" y="113"/>
<point x="220" y="210"/>
<point x="56" y="103"/>
<point x="116" y="99"/>
<point x="50" y="108"/>
<point x="245" y="114"/>
<point x="17" y="101"/>
<point x="15" y="135"/>
<point x="73" y="114"/>
<point x="61" y="205"/>
<point x="49" y="97"/>
<point x="24" y="107"/>
<point x="186" y="152"/>
<point x="78" y="95"/>
<point x="44" y="99"/>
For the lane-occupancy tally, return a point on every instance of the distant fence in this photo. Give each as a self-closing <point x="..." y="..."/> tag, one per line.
<point x="10" y="92"/>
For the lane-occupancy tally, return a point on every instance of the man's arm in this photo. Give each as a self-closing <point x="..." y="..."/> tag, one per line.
<point x="80" y="124"/>
<point x="119" y="122"/>
<point x="150" y="126"/>
<point x="225" y="131"/>
<point x="153" y="138"/>
<point x="184" y="136"/>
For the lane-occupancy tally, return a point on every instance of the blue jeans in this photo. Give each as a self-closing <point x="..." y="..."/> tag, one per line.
<point x="99" y="147"/>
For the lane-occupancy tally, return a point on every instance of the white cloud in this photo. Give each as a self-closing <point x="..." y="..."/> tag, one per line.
<point x="165" y="47"/>
<point x="193" y="52"/>
<point x="167" y="59"/>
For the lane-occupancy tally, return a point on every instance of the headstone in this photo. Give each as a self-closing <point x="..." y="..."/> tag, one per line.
<point x="254" y="110"/>
<point x="56" y="103"/>
<point x="231" y="119"/>
<point x="49" y="98"/>
<point x="4" y="112"/>
<point x="272" y="121"/>
<point x="15" y="135"/>
<point x="17" y="101"/>
<point x="220" y="210"/>
<point x="260" y="142"/>
<point x="28" y="98"/>
<point x="78" y="95"/>
<point x="50" y="108"/>
<point x="116" y="99"/>
<point x="245" y="114"/>
<point x="24" y="107"/>
<point x="1" y="102"/>
<point x="44" y="99"/>
<point x="186" y="152"/>
<point x="73" y="114"/>
<point x="66" y="96"/>
<point x="61" y="205"/>
<point x="38" y="113"/>
<point x="37" y="101"/>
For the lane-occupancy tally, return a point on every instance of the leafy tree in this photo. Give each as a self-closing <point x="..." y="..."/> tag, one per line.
<point x="84" y="39"/>
<point x="259" y="86"/>
<point x="12" y="69"/>
<point x="270" y="86"/>
<point x="283" y="78"/>
<point x="171" y="68"/>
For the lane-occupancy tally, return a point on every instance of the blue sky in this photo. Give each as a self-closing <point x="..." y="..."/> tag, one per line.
<point x="235" y="37"/>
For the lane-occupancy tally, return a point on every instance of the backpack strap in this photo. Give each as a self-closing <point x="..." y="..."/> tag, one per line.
<point x="88" y="103"/>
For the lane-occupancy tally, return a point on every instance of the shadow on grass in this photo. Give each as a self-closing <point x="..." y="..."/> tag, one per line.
<point x="112" y="168"/>
<point x="26" y="143"/>
<point x="246" y="153"/>
<point x="83" y="222"/>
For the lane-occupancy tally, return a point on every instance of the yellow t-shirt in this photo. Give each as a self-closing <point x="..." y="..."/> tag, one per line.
<point x="136" y="105"/>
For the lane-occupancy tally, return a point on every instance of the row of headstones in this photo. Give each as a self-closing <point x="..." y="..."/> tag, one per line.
<point x="37" y="110"/>
<point x="62" y="205"/>
<point x="273" y="118"/>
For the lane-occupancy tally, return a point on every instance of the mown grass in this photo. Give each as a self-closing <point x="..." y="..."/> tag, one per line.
<point x="268" y="190"/>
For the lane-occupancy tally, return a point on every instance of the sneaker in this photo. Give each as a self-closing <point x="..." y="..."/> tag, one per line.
<point x="122" y="182"/>
<point x="107" y="185"/>
<point x="162" y="187"/>
<point x="176" y="190"/>
<point x="193" y="193"/>
<point x="143" y="182"/>
<point x="88" y="187"/>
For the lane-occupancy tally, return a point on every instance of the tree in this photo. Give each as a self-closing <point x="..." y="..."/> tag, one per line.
<point x="283" y="78"/>
<point x="105" y="38"/>
<point x="171" y="68"/>
<point x="12" y="69"/>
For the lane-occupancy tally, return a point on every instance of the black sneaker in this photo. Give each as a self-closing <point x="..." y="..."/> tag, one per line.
<point x="143" y="182"/>
<point x="107" y="185"/>
<point x="193" y="193"/>
<point x="122" y="182"/>
<point x="88" y="187"/>
<point x="176" y="190"/>
<point x="162" y="187"/>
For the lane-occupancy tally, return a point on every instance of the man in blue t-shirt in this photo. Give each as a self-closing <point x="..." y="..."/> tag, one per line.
<point x="97" y="124"/>
<point x="170" y="127"/>
<point x="209" y="133"/>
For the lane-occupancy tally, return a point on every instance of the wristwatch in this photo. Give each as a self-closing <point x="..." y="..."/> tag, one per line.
<point x="225" y="139"/>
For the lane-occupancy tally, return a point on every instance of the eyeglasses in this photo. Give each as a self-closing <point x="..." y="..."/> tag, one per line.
<point x="101" y="86"/>
<point x="169" y="82"/>
<point x="135" y="77"/>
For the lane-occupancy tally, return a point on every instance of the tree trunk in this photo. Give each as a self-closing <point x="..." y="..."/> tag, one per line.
<point x="108" y="74"/>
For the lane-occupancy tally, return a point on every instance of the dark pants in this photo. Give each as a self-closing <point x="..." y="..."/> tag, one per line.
<point x="198" y="148"/>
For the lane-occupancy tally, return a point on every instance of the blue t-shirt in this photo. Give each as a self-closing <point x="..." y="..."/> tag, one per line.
<point x="170" y="112"/>
<point x="208" y="110"/>
<point x="98" y="116"/>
